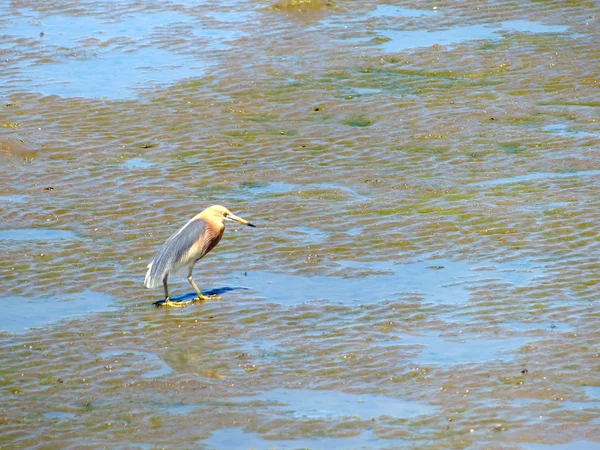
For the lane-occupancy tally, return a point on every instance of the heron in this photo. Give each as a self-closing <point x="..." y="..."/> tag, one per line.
<point x="180" y="253"/>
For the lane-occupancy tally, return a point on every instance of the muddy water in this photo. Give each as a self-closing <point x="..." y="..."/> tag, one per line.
<point x="424" y="179"/>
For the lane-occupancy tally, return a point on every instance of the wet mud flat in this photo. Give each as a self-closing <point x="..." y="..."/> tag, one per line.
<point x="424" y="180"/>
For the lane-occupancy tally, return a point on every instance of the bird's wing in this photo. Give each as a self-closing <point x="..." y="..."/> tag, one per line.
<point x="175" y="252"/>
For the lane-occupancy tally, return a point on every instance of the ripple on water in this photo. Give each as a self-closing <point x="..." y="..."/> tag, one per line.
<point x="140" y="359"/>
<point x="22" y="314"/>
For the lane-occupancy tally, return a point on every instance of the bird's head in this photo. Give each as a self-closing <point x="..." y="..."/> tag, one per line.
<point x="221" y="213"/>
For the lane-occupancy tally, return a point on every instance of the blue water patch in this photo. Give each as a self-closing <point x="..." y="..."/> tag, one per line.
<point x="536" y="177"/>
<point x="436" y="281"/>
<point x="531" y="326"/>
<point x="278" y="187"/>
<point x="61" y="30"/>
<point x="22" y="314"/>
<point x="58" y="415"/>
<point x="366" y="91"/>
<point x="566" y="131"/>
<point x="464" y="349"/>
<point x="399" y="40"/>
<point x="182" y="410"/>
<point x="262" y="346"/>
<point x="397" y="11"/>
<point x="69" y="31"/>
<point x="332" y="186"/>
<point x="325" y="404"/>
<point x="237" y="438"/>
<point x="275" y="187"/>
<point x="573" y="445"/>
<point x="311" y="235"/>
<point x="592" y="391"/>
<point x="314" y="236"/>
<point x="36" y="234"/>
<point x="12" y="198"/>
<point x="232" y="16"/>
<point x="137" y="163"/>
<point x="115" y="74"/>
<point x="87" y="57"/>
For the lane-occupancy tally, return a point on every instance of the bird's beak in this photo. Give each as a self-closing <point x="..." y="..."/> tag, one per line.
<point x="235" y="218"/>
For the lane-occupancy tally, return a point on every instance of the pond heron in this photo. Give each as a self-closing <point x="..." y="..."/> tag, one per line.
<point x="186" y="247"/>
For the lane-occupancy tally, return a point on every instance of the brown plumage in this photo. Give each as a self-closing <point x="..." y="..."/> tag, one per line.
<point x="187" y="246"/>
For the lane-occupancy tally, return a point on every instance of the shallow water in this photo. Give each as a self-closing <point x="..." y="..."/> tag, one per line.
<point x="24" y="314"/>
<point x="35" y="234"/>
<point x="232" y="437"/>
<point x="424" y="181"/>
<point x="405" y="40"/>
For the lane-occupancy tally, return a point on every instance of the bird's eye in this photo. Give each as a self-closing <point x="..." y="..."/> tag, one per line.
<point x="225" y="214"/>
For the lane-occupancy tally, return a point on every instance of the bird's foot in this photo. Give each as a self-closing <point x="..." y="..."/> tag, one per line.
<point x="167" y="303"/>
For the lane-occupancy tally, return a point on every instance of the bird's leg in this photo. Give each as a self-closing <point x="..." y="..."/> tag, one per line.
<point x="168" y="302"/>
<point x="191" y="280"/>
<point x="166" y="288"/>
<point x="200" y="296"/>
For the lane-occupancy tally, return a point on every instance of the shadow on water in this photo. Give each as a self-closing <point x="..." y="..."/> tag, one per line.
<point x="21" y="314"/>
<point x="189" y="297"/>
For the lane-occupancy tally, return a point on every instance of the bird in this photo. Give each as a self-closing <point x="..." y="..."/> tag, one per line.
<point x="186" y="247"/>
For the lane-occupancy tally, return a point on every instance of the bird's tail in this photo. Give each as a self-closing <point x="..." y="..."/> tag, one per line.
<point x="152" y="279"/>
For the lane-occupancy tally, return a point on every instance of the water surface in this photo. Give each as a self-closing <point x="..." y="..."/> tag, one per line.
<point x="424" y="181"/>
